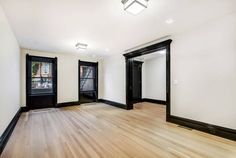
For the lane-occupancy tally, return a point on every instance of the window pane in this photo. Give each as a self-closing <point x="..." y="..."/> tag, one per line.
<point x="87" y="84"/>
<point x="41" y="85"/>
<point x="87" y="72"/>
<point x="41" y="69"/>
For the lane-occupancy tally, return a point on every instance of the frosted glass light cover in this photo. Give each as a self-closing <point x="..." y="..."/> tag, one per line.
<point x="135" y="6"/>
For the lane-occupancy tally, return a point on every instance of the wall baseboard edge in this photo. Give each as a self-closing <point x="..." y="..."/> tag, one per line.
<point x="24" y="109"/>
<point x="8" y="131"/>
<point x="65" y="104"/>
<point x="204" y="127"/>
<point x="112" y="103"/>
<point x="162" y="102"/>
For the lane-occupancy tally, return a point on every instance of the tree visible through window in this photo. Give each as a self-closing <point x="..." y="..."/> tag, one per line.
<point x="41" y="77"/>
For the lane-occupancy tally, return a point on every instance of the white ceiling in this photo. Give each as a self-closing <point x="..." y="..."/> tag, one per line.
<point x="57" y="25"/>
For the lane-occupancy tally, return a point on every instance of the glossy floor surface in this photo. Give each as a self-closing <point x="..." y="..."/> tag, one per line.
<point x="100" y="130"/>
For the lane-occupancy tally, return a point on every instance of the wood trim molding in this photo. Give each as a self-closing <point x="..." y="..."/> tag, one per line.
<point x="204" y="127"/>
<point x="162" y="102"/>
<point x="112" y="103"/>
<point x="65" y="104"/>
<point x="24" y="109"/>
<point x="8" y="131"/>
<point x="147" y="50"/>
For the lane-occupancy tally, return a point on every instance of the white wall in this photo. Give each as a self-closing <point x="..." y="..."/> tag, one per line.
<point x="67" y="74"/>
<point x="10" y="76"/>
<point x="203" y="61"/>
<point x="114" y="79"/>
<point x="154" y="78"/>
<point x="204" y="64"/>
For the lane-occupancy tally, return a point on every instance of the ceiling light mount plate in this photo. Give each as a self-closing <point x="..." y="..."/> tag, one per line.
<point x="81" y="46"/>
<point x="134" y="6"/>
<point x="169" y="21"/>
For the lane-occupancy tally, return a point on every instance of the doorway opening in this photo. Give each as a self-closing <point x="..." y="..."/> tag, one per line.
<point x="149" y="83"/>
<point x="134" y="79"/>
<point x="137" y="80"/>
<point x="41" y="82"/>
<point x="88" y="82"/>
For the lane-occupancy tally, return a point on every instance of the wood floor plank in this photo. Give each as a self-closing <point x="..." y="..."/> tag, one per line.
<point x="102" y="131"/>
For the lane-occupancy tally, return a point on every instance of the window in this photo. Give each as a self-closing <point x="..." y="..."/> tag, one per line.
<point x="87" y="77"/>
<point x="41" y="77"/>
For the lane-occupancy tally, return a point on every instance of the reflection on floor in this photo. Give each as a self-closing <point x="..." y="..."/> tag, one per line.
<point x="101" y="130"/>
<point x="155" y="110"/>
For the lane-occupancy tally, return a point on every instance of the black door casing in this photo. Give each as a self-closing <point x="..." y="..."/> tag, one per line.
<point x="42" y="100"/>
<point x="91" y="95"/>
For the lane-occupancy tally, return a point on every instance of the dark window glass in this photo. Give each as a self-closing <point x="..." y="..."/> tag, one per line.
<point x="87" y="72"/>
<point x="87" y="84"/>
<point x="87" y="77"/>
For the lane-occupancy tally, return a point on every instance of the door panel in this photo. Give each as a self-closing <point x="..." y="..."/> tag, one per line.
<point x="41" y="89"/>
<point x="88" y="81"/>
<point x="41" y="101"/>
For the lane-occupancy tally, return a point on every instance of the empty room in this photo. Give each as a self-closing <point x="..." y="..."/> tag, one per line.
<point x="118" y="78"/>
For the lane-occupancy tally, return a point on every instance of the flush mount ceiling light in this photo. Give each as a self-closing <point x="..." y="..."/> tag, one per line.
<point x="134" y="6"/>
<point x="81" y="46"/>
<point x="169" y="21"/>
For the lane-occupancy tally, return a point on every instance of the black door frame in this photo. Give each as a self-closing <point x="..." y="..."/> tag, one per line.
<point x="29" y="58"/>
<point x="148" y="50"/>
<point x="86" y="63"/>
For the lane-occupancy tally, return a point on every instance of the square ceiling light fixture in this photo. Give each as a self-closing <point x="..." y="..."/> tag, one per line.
<point x="134" y="6"/>
<point x="81" y="46"/>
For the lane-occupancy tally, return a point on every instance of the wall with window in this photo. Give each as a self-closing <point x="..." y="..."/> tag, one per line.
<point x="67" y="74"/>
<point x="9" y="73"/>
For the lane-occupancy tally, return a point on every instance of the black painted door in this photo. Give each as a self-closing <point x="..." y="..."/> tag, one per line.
<point x="88" y="82"/>
<point x="137" y="81"/>
<point x="41" y="82"/>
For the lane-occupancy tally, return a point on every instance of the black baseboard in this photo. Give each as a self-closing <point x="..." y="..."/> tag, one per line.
<point x="154" y="101"/>
<point x="204" y="127"/>
<point x="119" y="105"/>
<point x="24" y="109"/>
<point x="68" y="104"/>
<point x="134" y="101"/>
<point x="7" y="133"/>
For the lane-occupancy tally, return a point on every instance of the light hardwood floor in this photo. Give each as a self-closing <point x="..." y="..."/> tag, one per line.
<point x="100" y="130"/>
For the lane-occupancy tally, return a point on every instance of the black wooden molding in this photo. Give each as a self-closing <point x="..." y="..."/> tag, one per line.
<point x="147" y="50"/>
<point x="204" y="127"/>
<point x="25" y="109"/>
<point x="162" y="102"/>
<point x="38" y="101"/>
<point x="68" y="104"/>
<point x="119" y="105"/>
<point x="7" y="133"/>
